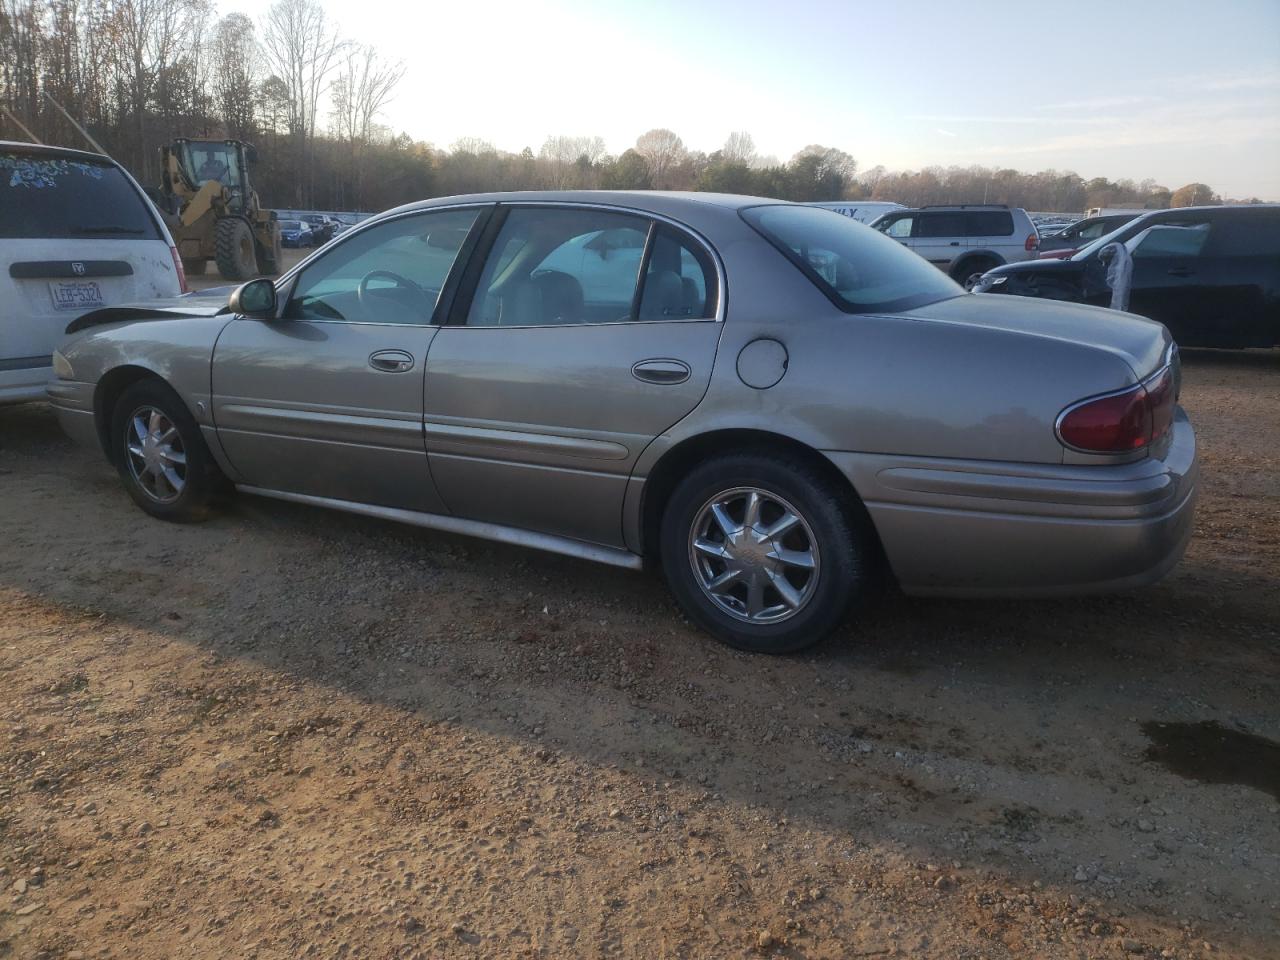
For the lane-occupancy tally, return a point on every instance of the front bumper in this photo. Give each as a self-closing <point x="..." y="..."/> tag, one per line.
<point x="975" y="528"/>
<point x="72" y="401"/>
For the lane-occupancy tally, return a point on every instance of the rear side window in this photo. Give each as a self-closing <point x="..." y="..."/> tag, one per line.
<point x="988" y="223"/>
<point x="677" y="280"/>
<point x="859" y="269"/>
<point x="44" y="198"/>
<point x="940" y="225"/>
<point x="1247" y="236"/>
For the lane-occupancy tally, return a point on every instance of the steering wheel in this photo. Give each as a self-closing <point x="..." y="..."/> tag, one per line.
<point x="362" y="291"/>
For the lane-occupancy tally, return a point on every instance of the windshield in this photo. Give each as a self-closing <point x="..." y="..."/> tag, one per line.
<point x="212" y="161"/>
<point x="859" y="269"/>
<point x="44" y="197"/>
<point x="290" y="225"/>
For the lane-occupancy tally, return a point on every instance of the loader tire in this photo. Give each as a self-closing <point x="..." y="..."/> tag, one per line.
<point x="273" y="256"/>
<point x="233" y="249"/>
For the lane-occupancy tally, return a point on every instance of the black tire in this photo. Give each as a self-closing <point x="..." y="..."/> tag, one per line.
<point x="195" y="266"/>
<point x="846" y="552"/>
<point x="234" y="249"/>
<point x="969" y="272"/>
<point x="200" y="476"/>
<point x="271" y="259"/>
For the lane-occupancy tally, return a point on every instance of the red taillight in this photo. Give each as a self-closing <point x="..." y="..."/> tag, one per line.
<point x="1162" y="397"/>
<point x="182" y="274"/>
<point x="1033" y="241"/>
<point x="1122" y="422"/>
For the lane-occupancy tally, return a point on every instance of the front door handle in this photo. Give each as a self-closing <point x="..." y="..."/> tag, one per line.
<point x="661" y="371"/>
<point x="391" y="361"/>
<point x="1179" y="272"/>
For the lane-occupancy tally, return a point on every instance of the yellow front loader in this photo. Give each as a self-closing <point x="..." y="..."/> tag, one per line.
<point x="214" y="212"/>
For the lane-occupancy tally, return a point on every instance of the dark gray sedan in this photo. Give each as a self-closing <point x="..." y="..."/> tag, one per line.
<point x="771" y="401"/>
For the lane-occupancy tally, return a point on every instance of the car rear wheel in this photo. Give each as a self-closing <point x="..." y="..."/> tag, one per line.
<point x="763" y="552"/>
<point x="968" y="273"/>
<point x="160" y="454"/>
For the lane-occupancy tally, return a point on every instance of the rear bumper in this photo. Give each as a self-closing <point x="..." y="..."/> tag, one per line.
<point x="975" y="528"/>
<point x="72" y="401"/>
<point x="23" y="383"/>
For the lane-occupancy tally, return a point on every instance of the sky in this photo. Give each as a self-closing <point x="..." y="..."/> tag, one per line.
<point x="1172" y="90"/>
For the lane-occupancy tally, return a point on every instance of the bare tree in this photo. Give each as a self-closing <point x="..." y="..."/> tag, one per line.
<point x="364" y="84"/>
<point x="739" y="148"/>
<point x="302" y="50"/>
<point x="662" y="150"/>
<point x="233" y="73"/>
<point x="568" y="160"/>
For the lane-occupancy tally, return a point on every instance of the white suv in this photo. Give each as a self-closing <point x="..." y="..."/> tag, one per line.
<point x="964" y="241"/>
<point x="76" y="234"/>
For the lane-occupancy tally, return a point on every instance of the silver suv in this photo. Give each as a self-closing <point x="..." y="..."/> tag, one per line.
<point x="966" y="240"/>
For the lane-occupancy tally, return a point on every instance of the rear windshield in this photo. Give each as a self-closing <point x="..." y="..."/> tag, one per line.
<point x="859" y="269"/>
<point x="56" y="198"/>
<point x="290" y="225"/>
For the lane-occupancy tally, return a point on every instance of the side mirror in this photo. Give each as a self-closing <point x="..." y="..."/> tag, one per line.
<point x="256" y="299"/>
<point x="250" y="154"/>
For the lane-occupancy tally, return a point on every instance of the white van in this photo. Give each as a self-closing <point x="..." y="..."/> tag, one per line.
<point x="76" y="233"/>
<point x="864" y="211"/>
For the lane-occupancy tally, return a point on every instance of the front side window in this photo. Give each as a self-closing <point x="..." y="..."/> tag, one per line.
<point x="560" y="266"/>
<point x="391" y="273"/>
<point x="1169" y="241"/>
<point x="1094" y="230"/>
<point x="859" y="270"/>
<point x="899" y="227"/>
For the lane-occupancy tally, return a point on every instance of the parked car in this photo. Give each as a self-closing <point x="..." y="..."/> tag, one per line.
<point x="1209" y="274"/>
<point x="1064" y="243"/>
<point x="296" y="233"/>
<point x="322" y="227"/>
<point x="76" y="232"/>
<point x="963" y="241"/>
<point x="779" y="406"/>
<point x="864" y="211"/>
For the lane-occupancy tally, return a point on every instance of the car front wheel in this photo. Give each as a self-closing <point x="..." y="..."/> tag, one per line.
<point x="765" y="553"/>
<point x="160" y="454"/>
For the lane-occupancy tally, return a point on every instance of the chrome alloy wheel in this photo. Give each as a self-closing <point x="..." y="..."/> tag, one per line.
<point x="157" y="460"/>
<point x="754" y="555"/>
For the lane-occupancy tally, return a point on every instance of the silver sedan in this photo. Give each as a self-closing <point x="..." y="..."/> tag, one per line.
<point x="777" y="405"/>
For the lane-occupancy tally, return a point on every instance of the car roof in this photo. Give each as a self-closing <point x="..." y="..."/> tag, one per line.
<point x="655" y="201"/>
<point x="44" y="150"/>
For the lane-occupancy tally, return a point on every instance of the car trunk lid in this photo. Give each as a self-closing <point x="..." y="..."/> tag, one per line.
<point x="1142" y="344"/>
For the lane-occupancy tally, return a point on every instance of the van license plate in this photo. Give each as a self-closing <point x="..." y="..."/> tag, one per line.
<point x="76" y="296"/>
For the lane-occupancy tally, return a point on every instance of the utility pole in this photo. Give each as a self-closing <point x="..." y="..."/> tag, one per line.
<point x="21" y="126"/>
<point x="83" y="132"/>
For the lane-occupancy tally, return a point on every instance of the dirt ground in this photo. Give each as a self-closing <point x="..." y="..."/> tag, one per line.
<point x="290" y="733"/>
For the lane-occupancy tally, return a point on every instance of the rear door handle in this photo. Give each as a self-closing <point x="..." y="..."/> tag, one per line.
<point x="391" y="361"/>
<point x="662" y="371"/>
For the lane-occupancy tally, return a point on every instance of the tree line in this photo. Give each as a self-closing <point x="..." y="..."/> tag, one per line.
<point x="138" y="73"/>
